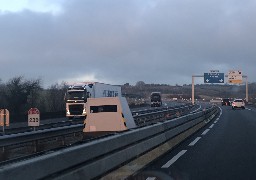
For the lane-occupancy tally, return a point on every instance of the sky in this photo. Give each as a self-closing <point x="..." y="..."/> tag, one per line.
<point x="121" y="41"/>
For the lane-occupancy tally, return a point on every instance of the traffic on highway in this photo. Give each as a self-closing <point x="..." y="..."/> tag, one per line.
<point x="127" y="90"/>
<point x="223" y="149"/>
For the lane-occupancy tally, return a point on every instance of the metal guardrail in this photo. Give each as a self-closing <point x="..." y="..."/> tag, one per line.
<point x="13" y="139"/>
<point x="142" y="119"/>
<point x="64" y="122"/>
<point x="157" y="109"/>
<point x="164" y="114"/>
<point x="95" y="158"/>
<point x="48" y="125"/>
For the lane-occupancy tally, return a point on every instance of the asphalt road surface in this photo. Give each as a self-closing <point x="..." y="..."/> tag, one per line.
<point x="224" y="149"/>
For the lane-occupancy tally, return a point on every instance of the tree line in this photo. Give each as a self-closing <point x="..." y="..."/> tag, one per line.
<point x="18" y="95"/>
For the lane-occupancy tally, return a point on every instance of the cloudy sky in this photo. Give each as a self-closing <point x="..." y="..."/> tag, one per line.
<point x="119" y="41"/>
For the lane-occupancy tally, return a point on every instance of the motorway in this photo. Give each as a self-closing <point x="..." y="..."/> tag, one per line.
<point x="224" y="149"/>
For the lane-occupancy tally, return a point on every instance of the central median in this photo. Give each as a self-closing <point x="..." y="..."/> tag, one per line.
<point x="99" y="157"/>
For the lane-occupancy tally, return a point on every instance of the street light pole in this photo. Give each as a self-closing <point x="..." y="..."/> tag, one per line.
<point x="193" y="91"/>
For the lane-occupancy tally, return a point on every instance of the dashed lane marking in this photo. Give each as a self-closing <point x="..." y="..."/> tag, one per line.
<point x="211" y="126"/>
<point x="195" y="141"/>
<point x="174" y="159"/>
<point x="197" y="109"/>
<point x="205" y="132"/>
<point x="151" y="178"/>
<point x="220" y="112"/>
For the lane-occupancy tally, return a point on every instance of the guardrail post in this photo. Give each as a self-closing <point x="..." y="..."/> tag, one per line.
<point x="205" y="116"/>
<point x="63" y="140"/>
<point x="35" y="145"/>
<point x="3" y="130"/>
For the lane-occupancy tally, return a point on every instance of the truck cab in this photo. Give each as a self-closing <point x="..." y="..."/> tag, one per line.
<point x="156" y="99"/>
<point x="78" y="93"/>
<point x="76" y="97"/>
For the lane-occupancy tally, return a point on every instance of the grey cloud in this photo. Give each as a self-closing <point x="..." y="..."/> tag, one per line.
<point x="119" y="41"/>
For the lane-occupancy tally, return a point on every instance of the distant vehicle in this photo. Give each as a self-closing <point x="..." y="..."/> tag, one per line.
<point x="238" y="103"/>
<point x="77" y="94"/>
<point x="107" y="114"/>
<point x="156" y="99"/>
<point x="225" y="102"/>
<point x="175" y="99"/>
<point x="215" y="101"/>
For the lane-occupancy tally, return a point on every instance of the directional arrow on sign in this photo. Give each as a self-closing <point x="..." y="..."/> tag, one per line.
<point x="213" y="78"/>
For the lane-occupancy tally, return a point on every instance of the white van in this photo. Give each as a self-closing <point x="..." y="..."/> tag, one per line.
<point x="238" y="103"/>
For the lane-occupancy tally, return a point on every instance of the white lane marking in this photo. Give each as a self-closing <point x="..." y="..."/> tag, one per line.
<point x="205" y="132"/>
<point x="175" y="158"/>
<point x="197" y="109"/>
<point x="248" y="109"/>
<point x="151" y="178"/>
<point x="218" y="116"/>
<point x="195" y="141"/>
<point x="220" y="112"/>
<point x="211" y="126"/>
<point x="215" y="121"/>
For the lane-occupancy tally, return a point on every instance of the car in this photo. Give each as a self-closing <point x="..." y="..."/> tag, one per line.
<point x="225" y="102"/>
<point x="238" y="103"/>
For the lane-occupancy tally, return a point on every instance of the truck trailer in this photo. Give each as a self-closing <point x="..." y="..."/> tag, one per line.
<point x="78" y="93"/>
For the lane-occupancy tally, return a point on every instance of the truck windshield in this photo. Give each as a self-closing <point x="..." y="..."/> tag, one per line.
<point x="155" y="97"/>
<point x="76" y="95"/>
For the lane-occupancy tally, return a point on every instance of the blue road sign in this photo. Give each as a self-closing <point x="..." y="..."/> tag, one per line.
<point x="213" y="78"/>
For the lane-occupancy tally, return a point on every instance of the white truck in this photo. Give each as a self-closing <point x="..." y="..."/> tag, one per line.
<point x="77" y="94"/>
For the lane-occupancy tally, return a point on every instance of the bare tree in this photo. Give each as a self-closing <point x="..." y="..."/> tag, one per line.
<point x="20" y="94"/>
<point x="2" y="95"/>
<point x="55" y="97"/>
<point x="140" y="84"/>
